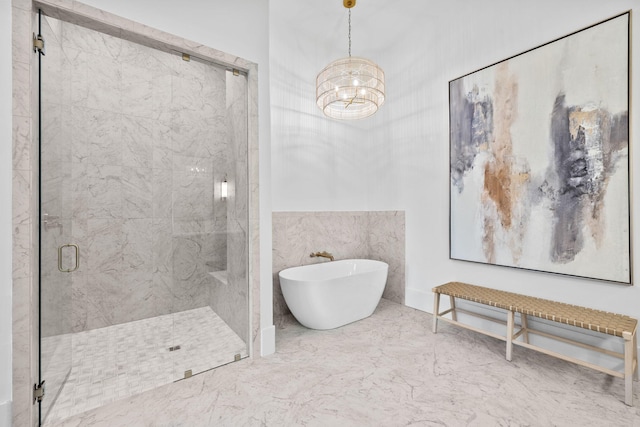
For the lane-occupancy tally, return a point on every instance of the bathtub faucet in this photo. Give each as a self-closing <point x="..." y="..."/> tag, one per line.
<point x="323" y="254"/>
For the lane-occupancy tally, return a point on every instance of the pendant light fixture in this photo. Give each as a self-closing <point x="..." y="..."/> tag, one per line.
<point x="351" y="87"/>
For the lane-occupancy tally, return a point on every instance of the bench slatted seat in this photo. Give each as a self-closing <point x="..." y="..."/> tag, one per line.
<point x="617" y="325"/>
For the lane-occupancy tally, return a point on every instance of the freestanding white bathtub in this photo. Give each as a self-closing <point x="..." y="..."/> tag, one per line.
<point x="332" y="294"/>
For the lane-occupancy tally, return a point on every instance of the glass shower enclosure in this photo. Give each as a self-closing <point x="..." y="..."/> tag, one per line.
<point x="143" y="217"/>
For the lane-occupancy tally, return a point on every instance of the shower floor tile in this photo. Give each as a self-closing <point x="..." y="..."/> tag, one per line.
<point x="123" y="360"/>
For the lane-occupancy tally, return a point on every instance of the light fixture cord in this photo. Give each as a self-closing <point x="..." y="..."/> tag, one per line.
<point x="349" y="33"/>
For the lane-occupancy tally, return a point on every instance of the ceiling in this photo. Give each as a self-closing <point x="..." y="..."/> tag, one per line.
<point x="373" y="22"/>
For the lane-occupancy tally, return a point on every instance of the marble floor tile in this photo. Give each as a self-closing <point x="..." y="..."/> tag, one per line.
<point x="119" y="361"/>
<point x="386" y="370"/>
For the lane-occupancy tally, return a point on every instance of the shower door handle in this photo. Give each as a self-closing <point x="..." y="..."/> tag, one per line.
<point x="77" y="263"/>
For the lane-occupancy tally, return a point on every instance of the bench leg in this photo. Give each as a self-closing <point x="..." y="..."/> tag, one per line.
<point x="510" y="317"/>
<point x="628" y="367"/>
<point x="525" y="327"/>
<point x="436" y="310"/>
<point x="452" y="300"/>
<point x="635" y="356"/>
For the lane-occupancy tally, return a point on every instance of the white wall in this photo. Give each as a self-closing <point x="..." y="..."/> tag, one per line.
<point x="507" y="28"/>
<point x="321" y="164"/>
<point x="241" y="28"/>
<point x="398" y="159"/>
<point x="5" y="212"/>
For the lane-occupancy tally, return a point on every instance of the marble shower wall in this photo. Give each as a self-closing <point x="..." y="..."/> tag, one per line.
<point x="373" y="235"/>
<point x="25" y="192"/>
<point x="228" y="295"/>
<point x="146" y="141"/>
<point x="24" y="202"/>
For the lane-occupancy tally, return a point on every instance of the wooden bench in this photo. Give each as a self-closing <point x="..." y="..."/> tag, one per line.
<point x="595" y="320"/>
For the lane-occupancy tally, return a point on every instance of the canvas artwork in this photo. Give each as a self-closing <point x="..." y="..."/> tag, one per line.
<point x="539" y="152"/>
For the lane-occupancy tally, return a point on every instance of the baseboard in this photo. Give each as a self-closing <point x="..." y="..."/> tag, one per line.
<point x="5" y="413"/>
<point x="420" y="300"/>
<point x="268" y="341"/>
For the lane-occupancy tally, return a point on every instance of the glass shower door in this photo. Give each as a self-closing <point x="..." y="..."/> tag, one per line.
<point x="143" y="190"/>
<point x="59" y="255"/>
<point x="209" y="217"/>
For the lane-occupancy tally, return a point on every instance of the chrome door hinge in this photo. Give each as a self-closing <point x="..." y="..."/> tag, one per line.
<point x="38" y="392"/>
<point x="38" y="44"/>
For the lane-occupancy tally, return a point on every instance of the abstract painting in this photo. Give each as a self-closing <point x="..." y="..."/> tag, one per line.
<point x="539" y="158"/>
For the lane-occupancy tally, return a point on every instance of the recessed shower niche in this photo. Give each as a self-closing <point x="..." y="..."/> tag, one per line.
<point x="143" y="257"/>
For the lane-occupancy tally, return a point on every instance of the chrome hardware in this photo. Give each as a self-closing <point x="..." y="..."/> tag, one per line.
<point x="38" y="44"/>
<point x="77" y="264"/>
<point x="38" y="392"/>
<point x="323" y="254"/>
<point x="174" y="348"/>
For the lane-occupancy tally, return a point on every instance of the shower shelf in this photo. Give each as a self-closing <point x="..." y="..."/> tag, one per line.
<point x="220" y="276"/>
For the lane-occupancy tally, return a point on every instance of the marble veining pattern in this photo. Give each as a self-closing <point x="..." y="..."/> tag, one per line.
<point x="378" y="235"/>
<point x="25" y="271"/>
<point x="386" y="370"/>
<point x="123" y="360"/>
<point x="138" y="150"/>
